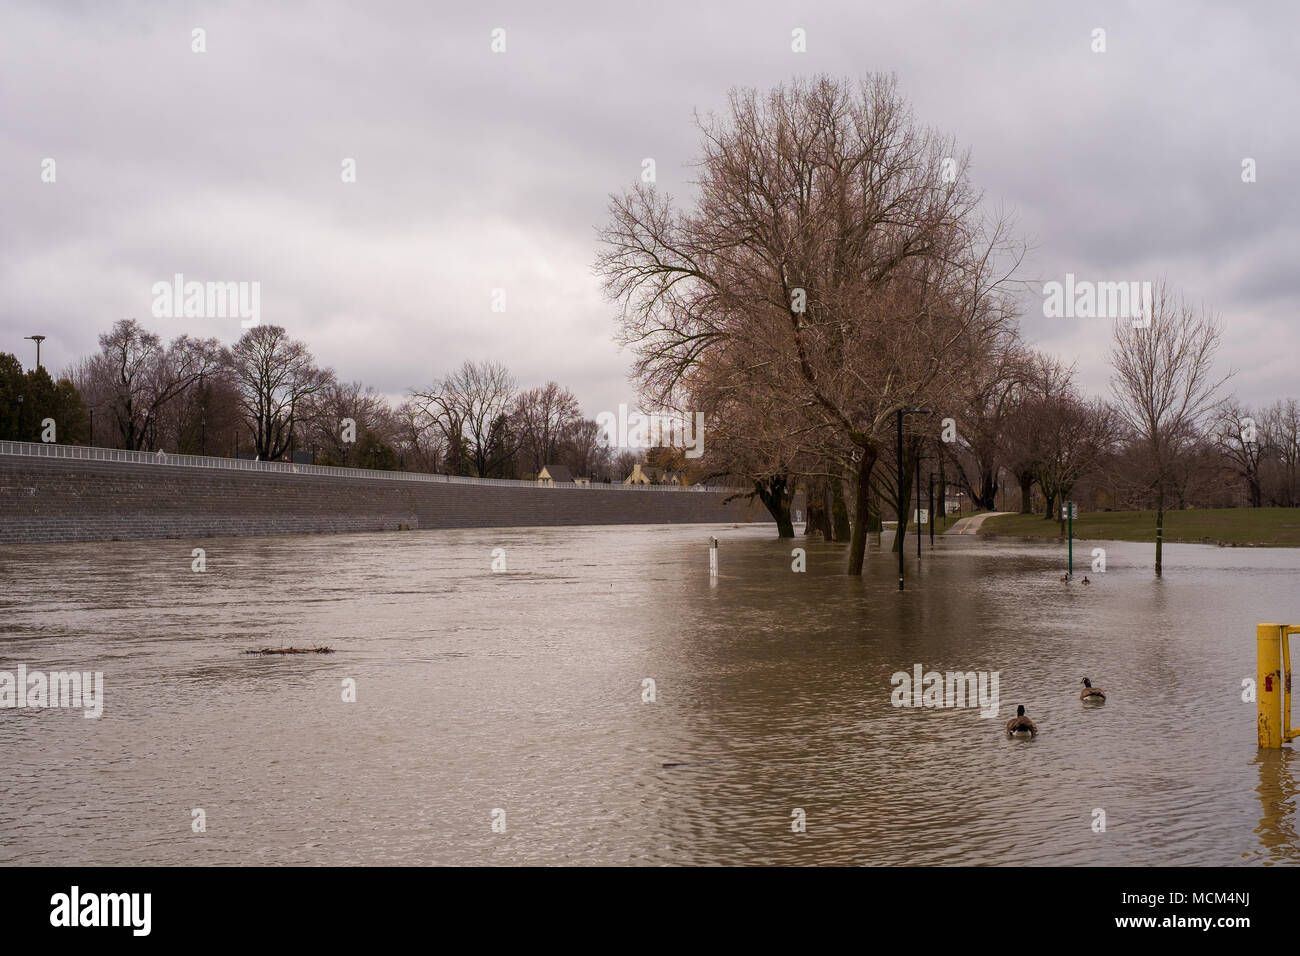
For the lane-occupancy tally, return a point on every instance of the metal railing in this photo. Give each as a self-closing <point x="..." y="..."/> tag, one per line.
<point x="123" y="456"/>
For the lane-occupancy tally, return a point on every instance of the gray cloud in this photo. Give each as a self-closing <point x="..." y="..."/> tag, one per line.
<point x="478" y="171"/>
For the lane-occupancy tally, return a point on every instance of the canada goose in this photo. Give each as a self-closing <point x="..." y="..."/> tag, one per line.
<point x="1094" y="694"/>
<point x="1065" y="579"/>
<point x="1020" y="725"/>
<point x="1085" y="580"/>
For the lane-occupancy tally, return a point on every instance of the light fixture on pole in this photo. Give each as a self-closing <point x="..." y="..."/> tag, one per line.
<point x="38" y="339"/>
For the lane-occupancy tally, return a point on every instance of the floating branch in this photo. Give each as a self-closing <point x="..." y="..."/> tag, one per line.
<point x="293" y="650"/>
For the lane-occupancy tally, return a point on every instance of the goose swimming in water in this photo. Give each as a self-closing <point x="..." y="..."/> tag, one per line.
<point x="1065" y="579"/>
<point x="1093" y="694"/>
<point x="1020" y="725"/>
<point x="1085" y="580"/>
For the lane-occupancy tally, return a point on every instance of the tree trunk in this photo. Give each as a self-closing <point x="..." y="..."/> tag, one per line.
<point x="1160" y="529"/>
<point x="819" y="519"/>
<point x="988" y="496"/>
<point x="1051" y="500"/>
<point x="862" y="513"/>
<point x="1026" y="494"/>
<point x="839" y="511"/>
<point x="773" y="494"/>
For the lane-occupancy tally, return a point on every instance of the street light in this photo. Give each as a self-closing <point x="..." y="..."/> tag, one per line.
<point x="903" y="504"/>
<point x="38" y="339"/>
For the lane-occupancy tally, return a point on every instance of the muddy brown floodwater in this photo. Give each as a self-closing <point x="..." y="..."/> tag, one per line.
<point x="522" y="691"/>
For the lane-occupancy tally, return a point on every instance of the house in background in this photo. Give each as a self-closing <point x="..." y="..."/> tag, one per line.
<point x="652" y="476"/>
<point x="551" y="475"/>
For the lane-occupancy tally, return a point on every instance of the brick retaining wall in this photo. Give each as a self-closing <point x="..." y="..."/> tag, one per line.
<point x="56" y="499"/>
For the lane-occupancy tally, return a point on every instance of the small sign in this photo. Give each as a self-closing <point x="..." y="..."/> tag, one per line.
<point x="1070" y="511"/>
<point x="922" y="516"/>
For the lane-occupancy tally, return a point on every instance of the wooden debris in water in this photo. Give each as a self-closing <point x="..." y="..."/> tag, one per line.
<point x="293" y="650"/>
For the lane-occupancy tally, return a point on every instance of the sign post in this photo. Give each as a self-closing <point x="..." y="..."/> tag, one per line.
<point x="1067" y="512"/>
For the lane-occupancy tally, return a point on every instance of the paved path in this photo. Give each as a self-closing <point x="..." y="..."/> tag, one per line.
<point x="972" y="524"/>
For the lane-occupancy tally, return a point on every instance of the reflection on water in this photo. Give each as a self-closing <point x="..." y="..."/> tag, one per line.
<point x="523" y="691"/>
<point x="1277" y="797"/>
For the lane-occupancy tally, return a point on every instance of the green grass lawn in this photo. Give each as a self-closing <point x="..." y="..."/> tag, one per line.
<point x="1260" y="527"/>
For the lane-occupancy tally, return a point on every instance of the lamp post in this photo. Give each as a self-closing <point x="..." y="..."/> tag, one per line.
<point x="943" y="490"/>
<point x="38" y="339"/>
<point x="918" y="505"/>
<point x="903" y="504"/>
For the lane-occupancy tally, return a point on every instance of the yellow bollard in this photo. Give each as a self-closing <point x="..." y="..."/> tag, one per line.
<point x="1287" y="733"/>
<point x="1268" y="686"/>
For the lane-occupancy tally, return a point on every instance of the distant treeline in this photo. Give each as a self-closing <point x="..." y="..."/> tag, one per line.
<point x="265" y="396"/>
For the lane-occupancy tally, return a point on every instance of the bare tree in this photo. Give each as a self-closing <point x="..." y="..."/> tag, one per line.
<point x="583" y="449"/>
<point x="984" y="399"/>
<point x="275" y="377"/>
<point x="418" y="439"/>
<point x="1043" y="381"/>
<point x="325" y="413"/>
<point x="135" y="376"/>
<point x="833" y="237"/>
<point x="1281" y="430"/>
<point x="466" y="406"/>
<point x="1239" y="436"/>
<point x="542" y="417"/>
<point x="205" y="416"/>
<point x="1074" y="435"/>
<point x="1165" y="386"/>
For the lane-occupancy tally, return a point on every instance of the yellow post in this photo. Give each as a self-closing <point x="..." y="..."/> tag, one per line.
<point x="1285" y="634"/>
<point x="1268" y="687"/>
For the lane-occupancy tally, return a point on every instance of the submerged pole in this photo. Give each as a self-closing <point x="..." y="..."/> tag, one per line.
<point x="918" y="504"/>
<point x="1069" y="520"/>
<point x="931" y="511"/>
<point x="901" y="503"/>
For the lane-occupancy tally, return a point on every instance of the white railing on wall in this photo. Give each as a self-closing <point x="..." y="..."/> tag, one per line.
<point x="87" y="453"/>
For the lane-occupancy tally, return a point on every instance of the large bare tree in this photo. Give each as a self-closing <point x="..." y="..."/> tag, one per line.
<point x="135" y="377"/>
<point x="1165" y="386"/>
<point x="542" y="418"/>
<point x="1241" y="438"/>
<point x="275" y="376"/>
<point x="470" y="406"/>
<point x="985" y="397"/>
<point x="1281" y="430"/>
<point x="836" y="238"/>
<point x="1043" y="382"/>
<point x="326" y="411"/>
<point x="1074" y="434"/>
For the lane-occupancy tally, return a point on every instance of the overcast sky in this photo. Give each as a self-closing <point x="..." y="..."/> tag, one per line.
<point x="478" y="170"/>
